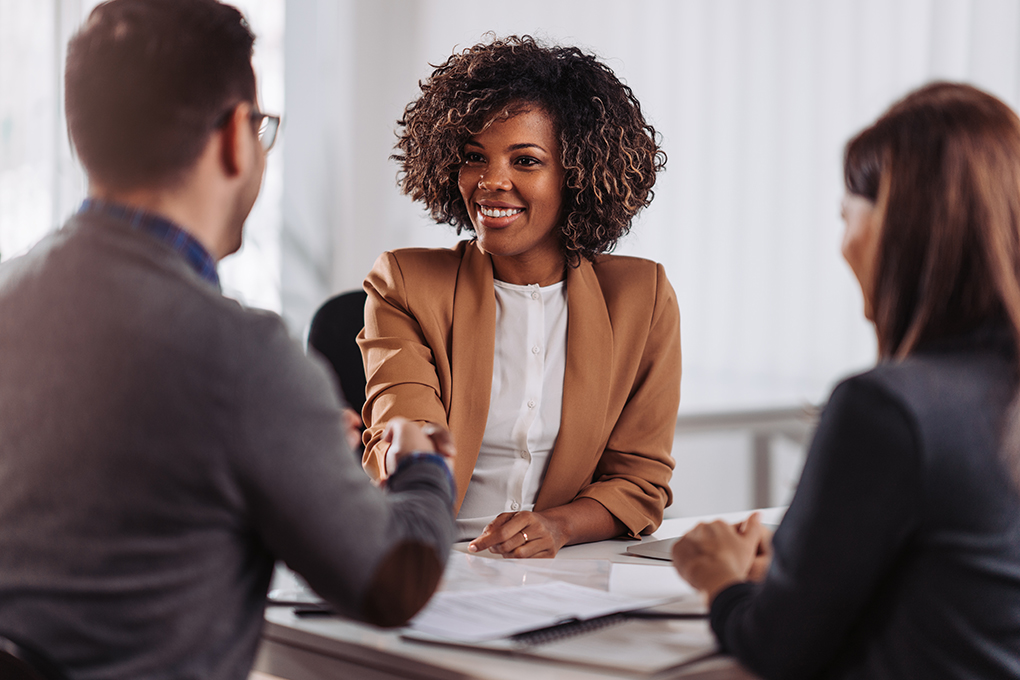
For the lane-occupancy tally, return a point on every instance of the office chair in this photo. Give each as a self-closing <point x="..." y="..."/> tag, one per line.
<point x="333" y="334"/>
<point x="19" y="662"/>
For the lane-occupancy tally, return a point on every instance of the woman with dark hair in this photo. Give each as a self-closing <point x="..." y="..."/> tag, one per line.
<point x="555" y="366"/>
<point x="899" y="556"/>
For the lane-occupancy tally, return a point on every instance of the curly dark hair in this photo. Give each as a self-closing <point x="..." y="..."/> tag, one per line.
<point x="610" y="154"/>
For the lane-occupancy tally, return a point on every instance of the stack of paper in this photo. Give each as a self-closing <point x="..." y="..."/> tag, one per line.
<point x="477" y="615"/>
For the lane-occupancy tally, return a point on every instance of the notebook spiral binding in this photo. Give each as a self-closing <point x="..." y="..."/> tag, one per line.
<point x="564" y="630"/>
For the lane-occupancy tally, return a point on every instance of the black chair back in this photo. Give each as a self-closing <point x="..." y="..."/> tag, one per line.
<point x="333" y="334"/>
<point x="20" y="662"/>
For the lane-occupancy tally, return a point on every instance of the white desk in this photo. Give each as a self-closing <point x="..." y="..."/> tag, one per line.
<point x="329" y="648"/>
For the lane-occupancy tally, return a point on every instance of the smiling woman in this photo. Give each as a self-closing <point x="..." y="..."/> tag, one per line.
<point x="555" y="366"/>
<point x="512" y="183"/>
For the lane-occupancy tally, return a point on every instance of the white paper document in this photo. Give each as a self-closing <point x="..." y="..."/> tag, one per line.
<point x="478" y="572"/>
<point x="478" y="615"/>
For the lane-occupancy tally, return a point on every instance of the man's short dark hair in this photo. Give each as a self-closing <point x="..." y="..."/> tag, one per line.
<point x="148" y="80"/>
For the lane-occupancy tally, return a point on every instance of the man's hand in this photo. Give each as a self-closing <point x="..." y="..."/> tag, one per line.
<point x="716" y="555"/>
<point x="406" y="437"/>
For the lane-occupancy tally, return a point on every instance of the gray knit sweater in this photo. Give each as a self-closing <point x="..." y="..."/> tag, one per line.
<point x="160" y="446"/>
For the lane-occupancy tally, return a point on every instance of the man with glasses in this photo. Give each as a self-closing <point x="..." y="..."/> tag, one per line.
<point x="160" y="445"/>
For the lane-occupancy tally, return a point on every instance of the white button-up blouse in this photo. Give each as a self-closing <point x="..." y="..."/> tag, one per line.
<point x="525" y="404"/>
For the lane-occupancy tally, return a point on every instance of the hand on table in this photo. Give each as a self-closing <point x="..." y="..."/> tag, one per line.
<point x="520" y="534"/>
<point x="406" y="437"/>
<point x="542" y="534"/>
<point x="763" y="557"/>
<point x="716" y="555"/>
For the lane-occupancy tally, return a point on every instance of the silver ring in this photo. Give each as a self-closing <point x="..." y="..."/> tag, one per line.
<point x="525" y="536"/>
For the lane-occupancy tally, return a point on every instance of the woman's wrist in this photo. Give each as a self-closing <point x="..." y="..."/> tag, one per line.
<point x="581" y="521"/>
<point x="718" y="585"/>
<point x="559" y="526"/>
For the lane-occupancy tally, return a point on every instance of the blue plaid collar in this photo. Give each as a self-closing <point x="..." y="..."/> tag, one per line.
<point x="164" y="230"/>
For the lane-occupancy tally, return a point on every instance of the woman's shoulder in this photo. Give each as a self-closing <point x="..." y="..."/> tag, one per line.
<point x="430" y="256"/>
<point x="626" y="277"/>
<point x="948" y="370"/>
<point x="625" y="265"/>
<point x="422" y="263"/>
<point x="936" y="387"/>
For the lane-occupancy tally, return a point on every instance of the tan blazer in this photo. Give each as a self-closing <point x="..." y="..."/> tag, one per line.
<point x="428" y="348"/>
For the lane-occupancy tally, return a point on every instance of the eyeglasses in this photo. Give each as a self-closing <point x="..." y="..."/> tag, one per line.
<point x="267" y="125"/>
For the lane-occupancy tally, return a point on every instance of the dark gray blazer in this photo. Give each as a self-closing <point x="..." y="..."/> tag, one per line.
<point x="159" y="447"/>
<point x="900" y="554"/>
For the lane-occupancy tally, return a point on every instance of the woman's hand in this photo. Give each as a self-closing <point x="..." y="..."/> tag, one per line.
<point x="542" y="534"/>
<point x="350" y="420"/>
<point x="763" y="557"/>
<point x="520" y="534"/>
<point x="714" y="556"/>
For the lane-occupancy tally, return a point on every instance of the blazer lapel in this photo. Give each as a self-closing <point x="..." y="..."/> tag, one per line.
<point x="472" y="344"/>
<point x="586" y="384"/>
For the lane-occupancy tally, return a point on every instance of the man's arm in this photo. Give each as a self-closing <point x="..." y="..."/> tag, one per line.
<point x="374" y="554"/>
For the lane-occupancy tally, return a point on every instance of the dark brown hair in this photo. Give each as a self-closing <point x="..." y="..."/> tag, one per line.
<point x="148" y="80"/>
<point x="609" y="152"/>
<point x="943" y="166"/>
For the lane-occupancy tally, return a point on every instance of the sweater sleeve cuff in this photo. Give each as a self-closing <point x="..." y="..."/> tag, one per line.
<point x="724" y="604"/>
<point x="420" y="460"/>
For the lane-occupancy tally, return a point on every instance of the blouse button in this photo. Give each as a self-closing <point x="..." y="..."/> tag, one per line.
<point x="531" y="403"/>
<point x="535" y="349"/>
<point x="535" y="295"/>
<point x="515" y="506"/>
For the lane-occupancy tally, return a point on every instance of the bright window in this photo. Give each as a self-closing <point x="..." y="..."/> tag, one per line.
<point x="41" y="184"/>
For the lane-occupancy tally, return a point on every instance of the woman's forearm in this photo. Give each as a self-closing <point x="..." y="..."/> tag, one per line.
<point x="582" y="521"/>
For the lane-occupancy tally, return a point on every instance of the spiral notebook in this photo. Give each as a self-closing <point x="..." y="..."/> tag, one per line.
<point x="639" y="646"/>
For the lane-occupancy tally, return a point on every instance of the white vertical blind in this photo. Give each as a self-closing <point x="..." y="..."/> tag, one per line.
<point x="39" y="181"/>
